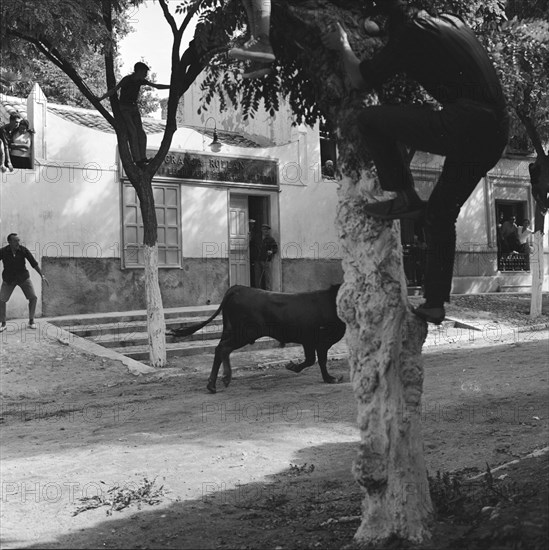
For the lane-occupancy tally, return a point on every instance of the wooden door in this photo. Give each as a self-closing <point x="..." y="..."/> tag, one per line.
<point x="239" y="262"/>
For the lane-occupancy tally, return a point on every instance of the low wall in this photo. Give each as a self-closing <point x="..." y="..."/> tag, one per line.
<point x="90" y="285"/>
<point x="482" y="263"/>
<point x="302" y="275"/>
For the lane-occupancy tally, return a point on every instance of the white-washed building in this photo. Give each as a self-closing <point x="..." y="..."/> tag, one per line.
<point x="79" y="216"/>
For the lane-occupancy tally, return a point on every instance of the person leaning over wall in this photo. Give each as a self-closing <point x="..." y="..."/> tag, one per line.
<point x="21" y="145"/>
<point x="6" y="132"/>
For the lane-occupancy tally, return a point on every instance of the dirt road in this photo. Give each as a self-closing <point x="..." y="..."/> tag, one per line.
<point x="235" y="466"/>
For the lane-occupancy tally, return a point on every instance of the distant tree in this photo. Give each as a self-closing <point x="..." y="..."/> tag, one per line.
<point x="520" y="47"/>
<point x="65" y="33"/>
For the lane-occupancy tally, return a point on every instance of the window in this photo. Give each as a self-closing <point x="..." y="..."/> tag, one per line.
<point x="167" y="203"/>
<point x="328" y="150"/>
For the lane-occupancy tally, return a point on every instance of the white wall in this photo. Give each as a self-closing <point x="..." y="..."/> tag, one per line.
<point x="204" y="217"/>
<point x="69" y="205"/>
<point x="263" y="128"/>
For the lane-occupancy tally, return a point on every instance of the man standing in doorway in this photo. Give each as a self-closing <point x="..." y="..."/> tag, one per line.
<point x="263" y="267"/>
<point x="444" y="56"/>
<point x="15" y="274"/>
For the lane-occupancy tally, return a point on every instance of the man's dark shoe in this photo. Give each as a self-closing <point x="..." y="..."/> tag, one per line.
<point x="430" y="313"/>
<point x="402" y="207"/>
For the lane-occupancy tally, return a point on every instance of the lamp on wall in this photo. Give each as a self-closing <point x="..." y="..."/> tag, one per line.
<point x="215" y="145"/>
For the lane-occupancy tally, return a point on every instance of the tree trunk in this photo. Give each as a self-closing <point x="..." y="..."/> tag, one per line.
<point x="156" y="324"/>
<point x="383" y="336"/>
<point x="539" y="180"/>
<point x="385" y="343"/>
<point x="536" y="266"/>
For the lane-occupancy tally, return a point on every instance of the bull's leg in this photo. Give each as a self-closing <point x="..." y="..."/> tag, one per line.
<point x="215" y="369"/>
<point x="227" y="372"/>
<point x="322" y="353"/>
<point x="222" y="352"/>
<point x="310" y="358"/>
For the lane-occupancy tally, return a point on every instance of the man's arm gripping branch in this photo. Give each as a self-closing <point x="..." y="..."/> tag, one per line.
<point x="157" y="86"/>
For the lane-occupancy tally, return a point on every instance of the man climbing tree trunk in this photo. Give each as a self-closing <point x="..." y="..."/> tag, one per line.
<point x="383" y="335"/>
<point x="444" y="56"/>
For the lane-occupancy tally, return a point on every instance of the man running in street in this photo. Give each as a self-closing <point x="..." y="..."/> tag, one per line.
<point x="15" y="274"/>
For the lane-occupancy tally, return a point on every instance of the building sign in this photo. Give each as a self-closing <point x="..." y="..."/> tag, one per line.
<point x="215" y="168"/>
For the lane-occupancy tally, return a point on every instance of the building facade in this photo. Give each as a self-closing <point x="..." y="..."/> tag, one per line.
<point x="79" y="216"/>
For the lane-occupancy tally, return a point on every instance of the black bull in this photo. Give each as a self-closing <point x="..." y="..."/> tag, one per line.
<point x="307" y="318"/>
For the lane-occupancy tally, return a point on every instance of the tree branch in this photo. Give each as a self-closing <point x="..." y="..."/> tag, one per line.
<point x="169" y="17"/>
<point x="109" y="58"/>
<point x="55" y="57"/>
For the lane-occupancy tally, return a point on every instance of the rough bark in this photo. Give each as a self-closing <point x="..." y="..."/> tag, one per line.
<point x="384" y="337"/>
<point x="385" y="343"/>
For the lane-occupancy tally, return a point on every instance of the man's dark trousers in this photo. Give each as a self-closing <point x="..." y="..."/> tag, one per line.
<point x="472" y="137"/>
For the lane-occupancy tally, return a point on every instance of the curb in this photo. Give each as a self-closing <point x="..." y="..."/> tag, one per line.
<point x="68" y="339"/>
<point x="460" y="323"/>
<point x="533" y="454"/>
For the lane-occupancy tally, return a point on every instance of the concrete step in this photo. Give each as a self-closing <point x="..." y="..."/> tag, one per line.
<point x="140" y="338"/>
<point x="128" y="316"/>
<point x="197" y="347"/>
<point x="514" y="289"/>
<point x="138" y="327"/>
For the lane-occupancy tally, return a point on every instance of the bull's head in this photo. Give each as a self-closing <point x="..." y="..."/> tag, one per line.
<point x="539" y="179"/>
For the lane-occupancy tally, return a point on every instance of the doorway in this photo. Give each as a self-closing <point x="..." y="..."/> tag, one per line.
<point x="512" y="256"/>
<point x="242" y="209"/>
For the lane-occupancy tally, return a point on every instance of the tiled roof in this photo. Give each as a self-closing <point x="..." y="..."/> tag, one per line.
<point x="11" y="104"/>
<point x="93" y="119"/>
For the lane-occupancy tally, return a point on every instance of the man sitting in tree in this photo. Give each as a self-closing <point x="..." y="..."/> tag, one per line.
<point x="130" y="86"/>
<point x="444" y="56"/>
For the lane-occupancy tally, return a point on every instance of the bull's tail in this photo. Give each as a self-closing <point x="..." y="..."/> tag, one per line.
<point x="187" y="331"/>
